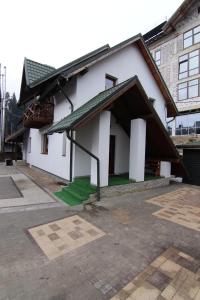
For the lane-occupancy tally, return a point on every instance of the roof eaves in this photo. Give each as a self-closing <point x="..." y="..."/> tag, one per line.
<point x="110" y="52"/>
<point x="103" y="52"/>
<point x="16" y="134"/>
<point x="122" y="86"/>
<point x="72" y="64"/>
<point x="154" y="33"/>
<point x="177" y="15"/>
<point x="169" y="99"/>
<point x="26" y="72"/>
<point x="108" y="96"/>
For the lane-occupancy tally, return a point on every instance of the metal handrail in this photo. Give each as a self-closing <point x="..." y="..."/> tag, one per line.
<point x="188" y="130"/>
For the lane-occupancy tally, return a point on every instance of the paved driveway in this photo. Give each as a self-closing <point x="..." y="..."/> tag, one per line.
<point x="97" y="267"/>
<point x="18" y="192"/>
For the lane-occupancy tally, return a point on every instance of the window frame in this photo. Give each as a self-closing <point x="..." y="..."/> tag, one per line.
<point x="44" y="144"/>
<point x="111" y="78"/>
<point x="188" y="64"/>
<point x="193" y="36"/>
<point x="29" y="144"/>
<point x="187" y="91"/>
<point x="64" y="144"/>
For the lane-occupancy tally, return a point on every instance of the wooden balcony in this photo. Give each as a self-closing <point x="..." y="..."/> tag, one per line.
<point x="38" y="114"/>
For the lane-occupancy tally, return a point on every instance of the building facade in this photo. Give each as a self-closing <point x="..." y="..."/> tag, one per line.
<point x="100" y="115"/>
<point x="175" y="47"/>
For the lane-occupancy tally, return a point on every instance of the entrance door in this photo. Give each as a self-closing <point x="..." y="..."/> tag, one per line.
<point x="112" y="155"/>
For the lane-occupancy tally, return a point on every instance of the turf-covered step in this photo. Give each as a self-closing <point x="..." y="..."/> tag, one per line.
<point x="77" y="191"/>
<point x="68" y="198"/>
<point x="76" y="194"/>
<point x="85" y="187"/>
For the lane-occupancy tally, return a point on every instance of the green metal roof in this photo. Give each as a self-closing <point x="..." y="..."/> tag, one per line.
<point x="40" y="73"/>
<point x="36" y="71"/>
<point x="79" y="114"/>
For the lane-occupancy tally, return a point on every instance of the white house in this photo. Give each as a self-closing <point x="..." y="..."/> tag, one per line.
<point x="105" y="110"/>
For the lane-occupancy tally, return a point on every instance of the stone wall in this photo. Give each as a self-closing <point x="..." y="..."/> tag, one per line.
<point x="117" y="190"/>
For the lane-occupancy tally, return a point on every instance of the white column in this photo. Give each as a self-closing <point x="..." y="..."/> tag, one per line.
<point x="100" y="147"/>
<point x="173" y="125"/>
<point x="165" y="169"/>
<point x="137" y="150"/>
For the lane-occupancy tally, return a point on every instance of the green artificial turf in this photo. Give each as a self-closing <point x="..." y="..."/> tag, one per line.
<point x="76" y="192"/>
<point x="119" y="180"/>
<point x="80" y="189"/>
<point x="151" y="177"/>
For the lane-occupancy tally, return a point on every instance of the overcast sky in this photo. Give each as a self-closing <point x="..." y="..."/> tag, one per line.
<point x="55" y="32"/>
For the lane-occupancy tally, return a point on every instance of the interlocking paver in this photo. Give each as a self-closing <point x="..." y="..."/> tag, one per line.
<point x="62" y="236"/>
<point x="180" y="206"/>
<point x="169" y="280"/>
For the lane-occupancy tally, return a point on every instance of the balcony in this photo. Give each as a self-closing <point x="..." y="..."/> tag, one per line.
<point x="38" y="114"/>
<point x="191" y="130"/>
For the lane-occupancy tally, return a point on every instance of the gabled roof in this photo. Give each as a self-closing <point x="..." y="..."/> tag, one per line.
<point x="178" y="15"/>
<point x="87" y="108"/>
<point x="41" y="75"/>
<point x="126" y="101"/>
<point x="37" y="87"/>
<point x="168" y="26"/>
<point x="35" y="71"/>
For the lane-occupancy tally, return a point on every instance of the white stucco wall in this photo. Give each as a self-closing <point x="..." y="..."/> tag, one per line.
<point x="122" y="143"/>
<point x="84" y="137"/>
<point x="82" y="161"/>
<point x="123" y="65"/>
<point x="54" y="162"/>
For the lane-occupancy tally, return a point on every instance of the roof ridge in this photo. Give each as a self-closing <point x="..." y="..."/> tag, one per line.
<point x="86" y="56"/>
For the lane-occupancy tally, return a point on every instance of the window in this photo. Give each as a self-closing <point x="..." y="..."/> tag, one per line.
<point x="188" y="90"/>
<point x="189" y="64"/>
<point x="191" y="37"/>
<point x="158" y="57"/>
<point x="29" y="145"/>
<point x="44" y="141"/>
<point x="110" y="82"/>
<point x="64" y="142"/>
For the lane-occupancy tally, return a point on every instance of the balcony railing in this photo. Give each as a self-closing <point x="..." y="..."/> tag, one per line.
<point x="191" y="130"/>
<point x="38" y="114"/>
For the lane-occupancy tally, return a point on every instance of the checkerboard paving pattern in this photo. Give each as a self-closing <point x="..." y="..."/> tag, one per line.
<point x="65" y="235"/>
<point x="173" y="275"/>
<point x="181" y="206"/>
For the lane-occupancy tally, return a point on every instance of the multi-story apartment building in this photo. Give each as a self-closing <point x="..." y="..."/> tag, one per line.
<point x="175" y="47"/>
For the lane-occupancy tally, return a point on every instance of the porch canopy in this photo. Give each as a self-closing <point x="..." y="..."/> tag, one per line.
<point x="127" y="101"/>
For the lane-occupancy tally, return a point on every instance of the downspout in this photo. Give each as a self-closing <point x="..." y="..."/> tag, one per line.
<point x="93" y="156"/>
<point x="171" y="120"/>
<point x="71" y="132"/>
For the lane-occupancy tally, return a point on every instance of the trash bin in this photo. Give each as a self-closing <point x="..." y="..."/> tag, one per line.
<point x="9" y="162"/>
